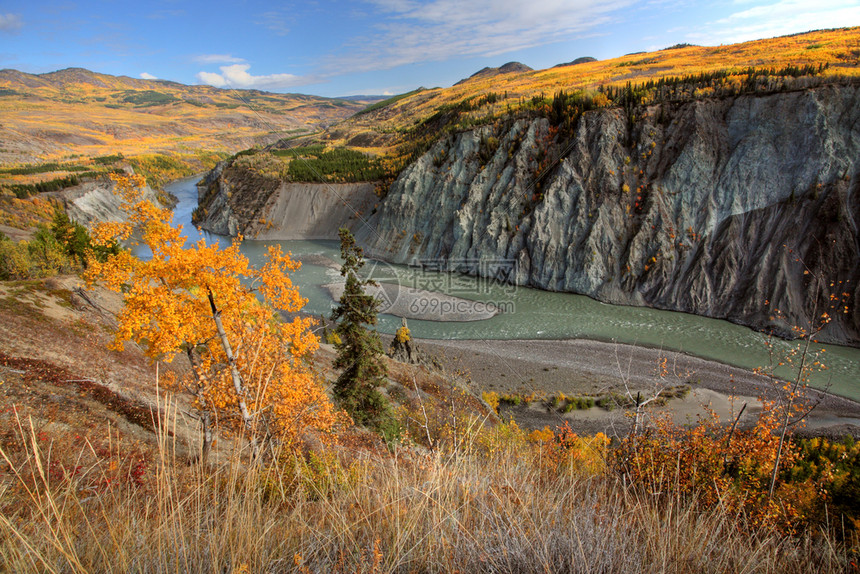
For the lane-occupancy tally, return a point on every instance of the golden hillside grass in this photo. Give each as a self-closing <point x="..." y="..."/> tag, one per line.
<point x="77" y="112"/>
<point x="839" y="49"/>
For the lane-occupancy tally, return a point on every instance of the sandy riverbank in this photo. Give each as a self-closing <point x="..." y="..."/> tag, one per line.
<point x="578" y="366"/>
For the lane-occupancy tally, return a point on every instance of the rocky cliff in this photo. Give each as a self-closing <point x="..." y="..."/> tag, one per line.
<point x="94" y="201"/>
<point x="731" y="208"/>
<point x="233" y="200"/>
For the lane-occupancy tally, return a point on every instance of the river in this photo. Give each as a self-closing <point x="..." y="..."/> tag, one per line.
<point x="535" y="314"/>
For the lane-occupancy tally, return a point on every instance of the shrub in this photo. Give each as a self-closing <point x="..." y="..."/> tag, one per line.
<point x="402" y="335"/>
<point x="486" y="151"/>
<point x="512" y="399"/>
<point x="606" y="402"/>
<point x="562" y="450"/>
<point x="314" y="476"/>
<point x="492" y="399"/>
<point x="715" y="467"/>
<point x="63" y="247"/>
<point x="14" y="260"/>
<point x="834" y="468"/>
<point x="58" y="249"/>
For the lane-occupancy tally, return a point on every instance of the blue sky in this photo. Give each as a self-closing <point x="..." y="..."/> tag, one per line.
<point x="373" y="46"/>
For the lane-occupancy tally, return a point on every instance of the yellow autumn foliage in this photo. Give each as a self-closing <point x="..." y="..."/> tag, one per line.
<point x="402" y="335"/>
<point x="168" y="309"/>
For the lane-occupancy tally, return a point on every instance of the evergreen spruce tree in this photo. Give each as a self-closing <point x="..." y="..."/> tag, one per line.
<point x="72" y="236"/>
<point x="76" y="241"/>
<point x="359" y="350"/>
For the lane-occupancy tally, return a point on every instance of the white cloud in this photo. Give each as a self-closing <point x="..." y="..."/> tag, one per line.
<point x="438" y="30"/>
<point x="277" y="21"/>
<point x="147" y="76"/>
<point x="212" y="79"/>
<point x="237" y="76"/>
<point x="10" y="23"/>
<point x="217" y="59"/>
<point x="766" y="20"/>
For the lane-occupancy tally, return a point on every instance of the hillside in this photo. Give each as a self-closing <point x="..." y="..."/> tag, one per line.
<point x="100" y="473"/>
<point x="76" y="112"/>
<point x="431" y="109"/>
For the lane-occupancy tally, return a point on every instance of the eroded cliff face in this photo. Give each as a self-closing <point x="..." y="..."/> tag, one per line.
<point x="730" y="208"/>
<point x="94" y="202"/>
<point x="234" y="201"/>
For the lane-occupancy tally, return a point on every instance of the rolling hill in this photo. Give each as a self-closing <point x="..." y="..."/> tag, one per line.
<point x="76" y="112"/>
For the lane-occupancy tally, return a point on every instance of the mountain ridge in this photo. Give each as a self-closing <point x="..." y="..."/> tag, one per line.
<point x="837" y="49"/>
<point x="488" y="72"/>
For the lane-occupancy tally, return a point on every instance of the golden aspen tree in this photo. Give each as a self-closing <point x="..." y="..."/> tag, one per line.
<point x="249" y="370"/>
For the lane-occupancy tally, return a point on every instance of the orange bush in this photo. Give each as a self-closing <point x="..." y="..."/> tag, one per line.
<point x="719" y="468"/>
<point x="563" y="450"/>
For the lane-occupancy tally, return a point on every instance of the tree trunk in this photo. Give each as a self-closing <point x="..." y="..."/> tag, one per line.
<point x="238" y="388"/>
<point x="208" y="437"/>
<point x="206" y="418"/>
<point x="798" y="381"/>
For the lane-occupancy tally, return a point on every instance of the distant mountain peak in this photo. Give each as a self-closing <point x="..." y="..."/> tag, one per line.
<point x="582" y="60"/>
<point x="513" y="67"/>
<point x="77" y="76"/>
<point x="509" y="68"/>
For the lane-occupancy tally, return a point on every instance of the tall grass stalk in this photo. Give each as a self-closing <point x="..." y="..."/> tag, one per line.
<point x="408" y="512"/>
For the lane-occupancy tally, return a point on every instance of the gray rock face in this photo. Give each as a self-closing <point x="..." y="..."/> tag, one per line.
<point x="731" y="208"/>
<point x="240" y="201"/>
<point x="94" y="202"/>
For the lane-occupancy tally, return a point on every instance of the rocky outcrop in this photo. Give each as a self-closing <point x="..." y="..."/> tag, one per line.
<point x="94" y="202"/>
<point x="404" y="349"/>
<point x="731" y="208"/>
<point x="237" y="201"/>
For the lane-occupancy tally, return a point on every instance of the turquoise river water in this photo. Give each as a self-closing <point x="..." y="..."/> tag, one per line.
<point x="535" y="314"/>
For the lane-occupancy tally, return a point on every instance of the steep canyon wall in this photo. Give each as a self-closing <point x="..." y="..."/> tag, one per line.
<point x="730" y="208"/>
<point x="733" y="208"/>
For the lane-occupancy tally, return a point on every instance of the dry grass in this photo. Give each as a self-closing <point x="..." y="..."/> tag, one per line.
<point x="351" y="510"/>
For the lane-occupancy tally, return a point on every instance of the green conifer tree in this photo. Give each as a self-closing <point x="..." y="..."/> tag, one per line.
<point x="359" y="350"/>
<point x="76" y="242"/>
